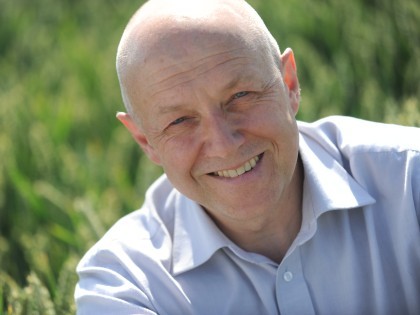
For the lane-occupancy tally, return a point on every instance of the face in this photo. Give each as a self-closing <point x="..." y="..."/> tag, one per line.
<point x="218" y="117"/>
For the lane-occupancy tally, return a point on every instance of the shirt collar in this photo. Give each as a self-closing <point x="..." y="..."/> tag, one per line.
<point x="331" y="187"/>
<point x="327" y="186"/>
<point x="196" y="237"/>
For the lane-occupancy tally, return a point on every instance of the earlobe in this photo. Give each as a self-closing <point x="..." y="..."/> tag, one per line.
<point x="138" y="136"/>
<point x="290" y="77"/>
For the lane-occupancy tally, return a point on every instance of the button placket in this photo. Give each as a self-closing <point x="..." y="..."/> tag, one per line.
<point x="292" y="291"/>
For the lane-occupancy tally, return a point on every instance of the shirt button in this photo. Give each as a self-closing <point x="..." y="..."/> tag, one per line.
<point x="288" y="276"/>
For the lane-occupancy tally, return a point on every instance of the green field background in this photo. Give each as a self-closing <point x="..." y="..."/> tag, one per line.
<point x="69" y="170"/>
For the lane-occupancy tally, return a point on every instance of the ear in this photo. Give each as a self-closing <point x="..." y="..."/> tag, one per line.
<point x="139" y="136"/>
<point x="290" y="78"/>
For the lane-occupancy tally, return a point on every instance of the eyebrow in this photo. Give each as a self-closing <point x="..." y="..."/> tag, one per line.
<point x="232" y="83"/>
<point x="165" y="109"/>
<point x="239" y="78"/>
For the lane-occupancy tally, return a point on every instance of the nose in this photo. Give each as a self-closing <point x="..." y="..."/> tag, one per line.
<point x="222" y="137"/>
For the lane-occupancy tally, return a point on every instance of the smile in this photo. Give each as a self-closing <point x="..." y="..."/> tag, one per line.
<point x="248" y="165"/>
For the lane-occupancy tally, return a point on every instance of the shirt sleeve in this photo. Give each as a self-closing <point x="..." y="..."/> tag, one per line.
<point x="106" y="287"/>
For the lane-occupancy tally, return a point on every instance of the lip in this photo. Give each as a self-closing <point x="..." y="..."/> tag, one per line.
<point x="245" y="168"/>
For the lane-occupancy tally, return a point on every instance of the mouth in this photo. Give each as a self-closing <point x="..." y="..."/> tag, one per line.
<point x="246" y="167"/>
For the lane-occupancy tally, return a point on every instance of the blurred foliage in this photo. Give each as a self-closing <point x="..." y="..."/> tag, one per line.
<point x="68" y="171"/>
<point x="358" y="58"/>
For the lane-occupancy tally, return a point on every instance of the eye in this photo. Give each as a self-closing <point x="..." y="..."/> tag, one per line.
<point x="240" y="94"/>
<point x="178" y="121"/>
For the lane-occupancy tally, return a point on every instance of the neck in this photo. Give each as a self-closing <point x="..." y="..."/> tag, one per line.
<point x="272" y="235"/>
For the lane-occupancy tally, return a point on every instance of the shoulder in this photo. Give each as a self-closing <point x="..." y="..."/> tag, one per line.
<point x="142" y="231"/>
<point x="352" y="135"/>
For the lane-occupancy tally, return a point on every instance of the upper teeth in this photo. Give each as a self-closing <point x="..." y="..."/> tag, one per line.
<point x="249" y="165"/>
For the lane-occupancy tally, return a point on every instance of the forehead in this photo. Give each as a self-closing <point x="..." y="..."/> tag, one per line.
<point x="181" y="56"/>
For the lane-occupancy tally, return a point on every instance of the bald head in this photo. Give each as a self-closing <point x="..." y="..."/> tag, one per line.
<point x="161" y="22"/>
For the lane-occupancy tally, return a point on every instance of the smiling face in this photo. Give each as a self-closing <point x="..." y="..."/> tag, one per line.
<point x="215" y="113"/>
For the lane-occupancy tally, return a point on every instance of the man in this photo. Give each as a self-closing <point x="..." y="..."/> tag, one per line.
<point x="256" y="213"/>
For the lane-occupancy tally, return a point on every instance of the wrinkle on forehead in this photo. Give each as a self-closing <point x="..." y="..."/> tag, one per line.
<point x="184" y="72"/>
<point x="192" y="64"/>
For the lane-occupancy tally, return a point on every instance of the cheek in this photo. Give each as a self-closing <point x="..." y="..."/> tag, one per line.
<point x="278" y="125"/>
<point x="177" y="157"/>
<point x="273" y="118"/>
<point x="178" y="164"/>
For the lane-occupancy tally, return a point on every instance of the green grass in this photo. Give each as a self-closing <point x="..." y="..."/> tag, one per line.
<point x="68" y="170"/>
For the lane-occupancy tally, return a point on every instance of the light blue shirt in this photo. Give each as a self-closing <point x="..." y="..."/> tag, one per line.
<point x="357" y="252"/>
